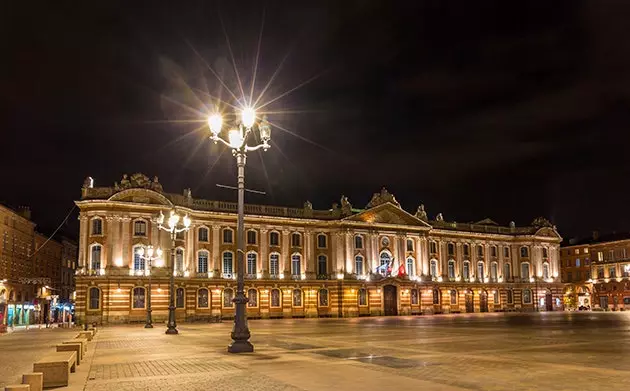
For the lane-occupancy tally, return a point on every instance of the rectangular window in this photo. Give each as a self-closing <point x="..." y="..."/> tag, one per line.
<point x="297" y="298"/>
<point x="203" y="235"/>
<point x="600" y="256"/>
<point x="274" y="239"/>
<point x="409" y="244"/>
<point x="275" y="298"/>
<point x="466" y="271"/>
<point x="600" y="272"/>
<point x="569" y="276"/>
<point x="321" y="241"/>
<point x="140" y="228"/>
<point x="527" y="296"/>
<point x="525" y="271"/>
<point x="451" y="270"/>
<point x="433" y="248"/>
<point x="203" y="262"/>
<point x="577" y="262"/>
<point x="358" y="242"/>
<point x="251" y="237"/>
<point x="251" y="264"/>
<point x="510" y="297"/>
<point x="506" y="252"/>
<point x="453" y="297"/>
<point x="358" y="264"/>
<point x="612" y="273"/>
<point x="274" y="264"/>
<point x="227" y="236"/>
<point x="493" y="251"/>
<point x="585" y="250"/>
<point x="466" y="250"/>
<point x="295" y="240"/>
<point x="323" y="298"/>
<point x="97" y="227"/>
<point x="577" y="251"/>
<point x="363" y="297"/>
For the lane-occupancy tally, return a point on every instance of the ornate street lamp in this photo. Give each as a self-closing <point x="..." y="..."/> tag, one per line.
<point x="148" y="256"/>
<point x="173" y="228"/>
<point x="237" y="140"/>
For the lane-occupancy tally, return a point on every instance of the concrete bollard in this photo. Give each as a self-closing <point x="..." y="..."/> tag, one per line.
<point x="17" y="387"/>
<point x="35" y="380"/>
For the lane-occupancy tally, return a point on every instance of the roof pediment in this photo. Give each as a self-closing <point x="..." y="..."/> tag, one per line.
<point x="549" y="232"/>
<point x="141" y="196"/>
<point x="387" y="213"/>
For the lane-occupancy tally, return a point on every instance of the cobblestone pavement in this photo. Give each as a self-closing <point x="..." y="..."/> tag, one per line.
<point x="550" y="351"/>
<point x="18" y="350"/>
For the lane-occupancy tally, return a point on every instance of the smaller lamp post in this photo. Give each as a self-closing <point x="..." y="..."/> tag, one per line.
<point x="149" y="258"/>
<point x="173" y="228"/>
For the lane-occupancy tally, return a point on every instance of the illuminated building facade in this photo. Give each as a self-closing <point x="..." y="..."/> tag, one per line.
<point x="303" y="262"/>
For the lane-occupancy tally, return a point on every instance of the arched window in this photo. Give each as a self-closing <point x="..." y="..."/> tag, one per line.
<point x="97" y="226"/>
<point x="358" y="264"/>
<point x="251" y="237"/>
<point x="228" y="236"/>
<point x="507" y="271"/>
<point x="323" y="297"/>
<point x="252" y="297"/>
<point x="202" y="234"/>
<point x="202" y="298"/>
<point x="321" y="241"/>
<point x="545" y="270"/>
<point x="275" y="298"/>
<point x="297" y="298"/>
<point x="385" y="258"/>
<point x="480" y="271"/>
<point x="510" y="296"/>
<point x="434" y="270"/>
<point x="95" y="298"/>
<point x="138" y="261"/>
<point x="411" y="271"/>
<point x="180" y="298"/>
<point x="363" y="297"/>
<point x="494" y="271"/>
<point x="453" y="297"/>
<point x="138" y="298"/>
<point x="436" y="296"/>
<point x="527" y="296"/>
<point x="140" y="228"/>
<point x="524" y="252"/>
<point x="415" y="297"/>
<point x="358" y="242"/>
<point x="525" y="271"/>
<point x="296" y="240"/>
<point x="228" y="296"/>
<point x="296" y="265"/>
<point x="274" y="238"/>
<point x="409" y="245"/>
<point x="252" y="259"/>
<point x="95" y="261"/>
<point x="450" y="249"/>
<point x="451" y="269"/>
<point x="179" y="260"/>
<point x="228" y="265"/>
<point x="202" y="261"/>
<point x="274" y="264"/>
<point x="466" y="271"/>
<point x="322" y="262"/>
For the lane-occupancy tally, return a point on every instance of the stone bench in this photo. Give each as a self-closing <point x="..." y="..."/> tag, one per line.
<point x="82" y="341"/>
<point x="72" y="347"/>
<point x="56" y="368"/>
<point x="86" y="334"/>
<point x="35" y="380"/>
<point x="17" y="387"/>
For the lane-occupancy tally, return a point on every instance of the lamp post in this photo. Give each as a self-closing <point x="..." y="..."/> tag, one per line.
<point x="149" y="258"/>
<point x="237" y="140"/>
<point x="173" y="228"/>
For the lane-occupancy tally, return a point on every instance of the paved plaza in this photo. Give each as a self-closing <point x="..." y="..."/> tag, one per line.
<point x="541" y="351"/>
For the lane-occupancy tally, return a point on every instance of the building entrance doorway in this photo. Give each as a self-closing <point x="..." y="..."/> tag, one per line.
<point x="470" y="302"/>
<point x="548" y="302"/>
<point x="390" y="300"/>
<point x="483" y="301"/>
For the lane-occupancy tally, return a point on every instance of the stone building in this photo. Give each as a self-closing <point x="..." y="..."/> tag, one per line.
<point x="69" y="255"/>
<point x="30" y="266"/>
<point x="575" y="272"/>
<point x="304" y="262"/>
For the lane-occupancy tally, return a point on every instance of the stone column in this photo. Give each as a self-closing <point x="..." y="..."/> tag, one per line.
<point x="126" y="242"/>
<point x="370" y="261"/>
<point x="216" y="256"/>
<point x="309" y="252"/>
<point x="425" y="256"/>
<point x="110" y="258"/>
<point x="373" y="238"/>
<point x="263" y="257"/>
<point x="418" y="256"/>
<point x="340" y="253"/>
<point x="285" y="258"/>
<point x="83" y="236"/>
<point x="348" y="252"/>
<point x="190" y="253"/>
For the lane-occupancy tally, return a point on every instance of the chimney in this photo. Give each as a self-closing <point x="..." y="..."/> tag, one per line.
<point x="25" y="212"/>
<point x="595" y="235"/>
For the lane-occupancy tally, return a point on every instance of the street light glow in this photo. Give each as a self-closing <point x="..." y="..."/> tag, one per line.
<point x="215" y="121"/>
<point x="248" y="117"/>
<point x="235" y="138"/>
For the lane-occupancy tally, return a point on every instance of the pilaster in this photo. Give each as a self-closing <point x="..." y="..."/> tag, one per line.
<point x="216" y="256"/>
<point x="263" y="259"/>
<point x="285" y="258"/>
<point x="126" y="242"/>
<point x="83" y="236"/>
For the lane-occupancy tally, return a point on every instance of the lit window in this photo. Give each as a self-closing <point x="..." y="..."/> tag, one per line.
<point x="363" y="297"/>
<point x="228" y="296"/>
<point x="494" y="271"/>
<point x="385" y="260"/>
<point x="252" y="298"/>
<point x="577" y="251"/>
<point x="95" y="261"/>
<point x="202" y="235"/>
<point x="228" y="266"/>
<point x="274" y="239"/>
<point x="251" y="237"/>
<point x="138" y="297"/>
<point x="321" y="241"/>
<point x="451" y="269"/>
<point x="297" y="298"/>
<point x="202" y="262"/>
<point x="275" y="298"/>
<point x="323" y="298"/>
<point x="251" y="264"/>
<point x="227" y="236"/>
<point x="296" y="265"/>
<point x="97" y="226"/>
<point x="202" y="298"/>
<point x="322" y="269"/>
<point x="410" y="269"/>
<point x="140" y="228"/>
<point x="585" y="250"/>
<point x="274" y="264"/>
<point x="138" y="261"/>
<point x="600" y="256"/>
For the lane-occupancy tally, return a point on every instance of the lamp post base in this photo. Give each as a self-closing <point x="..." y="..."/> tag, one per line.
<point x="148" y="326"/>
<point x="240" y="347"/>
<point x="172" y="331"/>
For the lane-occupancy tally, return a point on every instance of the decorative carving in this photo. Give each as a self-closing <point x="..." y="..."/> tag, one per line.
<point x="336" y="212"/>
<point x="439" y="217"/>
<point x="124" y="182"/>
<point x="512" y="224"/>
<point x="381" y="198"/>
<point x="421" y="213"/>
<point x="346" y="206"/>
<point x="88" y="183"/>
<point x="156" y="185"/>
<point x="187" y="193"/>
<point x="540" y="222"/>
<point x="140" y="180"/>
<point x="308" y="209"/>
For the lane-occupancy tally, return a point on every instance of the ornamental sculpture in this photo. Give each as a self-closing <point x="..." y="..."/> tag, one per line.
<point x="381" y="198"/>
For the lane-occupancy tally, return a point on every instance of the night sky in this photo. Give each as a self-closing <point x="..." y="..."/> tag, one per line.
<point x="500" y="109"/>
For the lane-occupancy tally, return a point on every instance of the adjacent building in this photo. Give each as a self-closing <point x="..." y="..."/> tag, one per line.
<point x="304" y="262"/>
<point x="575" y="266"/>
<point x="30" y="270"/>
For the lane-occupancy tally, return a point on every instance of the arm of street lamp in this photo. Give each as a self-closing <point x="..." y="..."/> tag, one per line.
<point x="216" y="139"/>
<point x="264" y="146"/>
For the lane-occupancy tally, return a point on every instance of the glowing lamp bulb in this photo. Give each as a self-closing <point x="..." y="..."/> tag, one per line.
<point x="248" y="116"/>
<point x="215" y="122"/>
<point x="159" y="252"/>
<point x="150" y="251"/>
<point x="186" y="221"/>
<point x="172" y="221"/>
<point x="235" y="138"/>
<point x="140" y="251"/>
